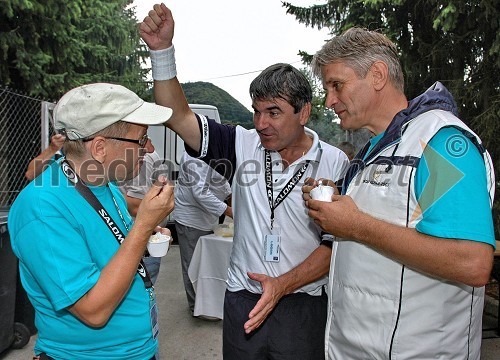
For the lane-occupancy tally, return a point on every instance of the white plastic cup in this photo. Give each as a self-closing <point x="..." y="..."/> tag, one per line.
<point x="322" y="192"/>
<point x="158" y="244"/>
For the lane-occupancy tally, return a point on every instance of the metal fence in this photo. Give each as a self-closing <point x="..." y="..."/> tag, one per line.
<point x="21" y="128"/>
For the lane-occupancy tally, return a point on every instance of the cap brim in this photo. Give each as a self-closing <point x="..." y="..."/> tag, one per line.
<point x="149" y="114"/>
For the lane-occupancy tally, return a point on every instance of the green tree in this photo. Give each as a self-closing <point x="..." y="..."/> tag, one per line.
<point x="48" y="47"/>
<point x="455" y="42"/>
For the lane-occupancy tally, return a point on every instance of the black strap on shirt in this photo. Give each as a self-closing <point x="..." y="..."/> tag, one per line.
<point x="287" y="189"/>
<point x="108" y="220"/>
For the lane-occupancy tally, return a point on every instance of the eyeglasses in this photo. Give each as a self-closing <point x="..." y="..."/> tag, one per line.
<point x="141" y="142"/>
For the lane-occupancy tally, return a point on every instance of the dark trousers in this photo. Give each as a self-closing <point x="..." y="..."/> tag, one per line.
<point x="295" y="329"/>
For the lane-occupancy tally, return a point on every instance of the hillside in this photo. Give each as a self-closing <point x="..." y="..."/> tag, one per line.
<point x="231" y="110"/>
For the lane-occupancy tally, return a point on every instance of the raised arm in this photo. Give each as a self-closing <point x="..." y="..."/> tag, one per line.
<point x="157" y="30"/>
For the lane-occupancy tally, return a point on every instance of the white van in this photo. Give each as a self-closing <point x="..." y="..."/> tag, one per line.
<point x="170" y="146"/>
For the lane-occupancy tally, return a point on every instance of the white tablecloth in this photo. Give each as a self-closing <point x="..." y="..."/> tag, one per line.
<point x="208" y="273"/>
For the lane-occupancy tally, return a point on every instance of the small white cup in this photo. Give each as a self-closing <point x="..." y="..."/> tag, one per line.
<point x="158" y="244"/>
<point x="322" y="192"/>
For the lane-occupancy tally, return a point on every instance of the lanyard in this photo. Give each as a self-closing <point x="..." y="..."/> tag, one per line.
<point x="110" y="223"/>
<point x="286" y="190"/>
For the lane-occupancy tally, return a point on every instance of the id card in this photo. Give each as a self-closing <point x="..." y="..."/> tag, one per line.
<point x="272" y="244"/>
<point x="153" y="310"/>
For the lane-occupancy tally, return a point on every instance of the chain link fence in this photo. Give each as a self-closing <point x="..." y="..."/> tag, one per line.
<point x="21" y="129"/>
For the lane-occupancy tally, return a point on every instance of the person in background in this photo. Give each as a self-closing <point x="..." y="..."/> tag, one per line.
<point x="199" y="197"/>
<point x="80" y="253"/>
<point x="348" y="148"/>
<point x="134" y="190"/>
<point x="414" y="222"/>
<point x="279" y="261"/>
<point x="51" y="153"/>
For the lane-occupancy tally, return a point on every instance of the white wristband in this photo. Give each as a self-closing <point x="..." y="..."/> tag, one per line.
<point x="163" y="63"/>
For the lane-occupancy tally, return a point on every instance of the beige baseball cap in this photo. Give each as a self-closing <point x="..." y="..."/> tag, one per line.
<point x="87" y="109"/>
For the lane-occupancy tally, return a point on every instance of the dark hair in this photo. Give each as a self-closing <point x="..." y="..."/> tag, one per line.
<point x="282" y="81"/>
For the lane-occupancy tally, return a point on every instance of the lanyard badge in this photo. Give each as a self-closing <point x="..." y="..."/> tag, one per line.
<point x="272" y="243"/>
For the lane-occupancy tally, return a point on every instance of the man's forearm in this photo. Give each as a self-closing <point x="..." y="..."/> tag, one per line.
<point x="464" y="261"/>
<point x="316" y="265"/>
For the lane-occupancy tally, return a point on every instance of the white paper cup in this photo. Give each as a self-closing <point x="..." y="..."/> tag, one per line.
<point x="322" y="192"/>
<point x="158" y="244"/>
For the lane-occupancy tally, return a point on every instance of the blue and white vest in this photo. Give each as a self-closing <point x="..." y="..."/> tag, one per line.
<point x="379" y="308"/>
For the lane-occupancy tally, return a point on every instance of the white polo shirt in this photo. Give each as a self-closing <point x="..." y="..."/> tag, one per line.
<point x="251" y="210"/>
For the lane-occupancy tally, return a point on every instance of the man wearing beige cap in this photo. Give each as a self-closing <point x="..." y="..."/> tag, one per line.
<point x="80" y="253"/>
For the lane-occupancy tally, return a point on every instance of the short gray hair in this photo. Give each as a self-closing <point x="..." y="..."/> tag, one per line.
<point x="359" y="48"/>
<point x="77" y="148"/>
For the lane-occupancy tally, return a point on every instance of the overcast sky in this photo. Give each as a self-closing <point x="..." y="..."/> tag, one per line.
<point x="219" y="40"/>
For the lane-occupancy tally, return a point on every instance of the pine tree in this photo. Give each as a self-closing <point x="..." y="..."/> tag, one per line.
<point x="49" y="47"/>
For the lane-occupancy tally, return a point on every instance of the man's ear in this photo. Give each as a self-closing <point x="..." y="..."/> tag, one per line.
<point x="379" y="74"/>
<point x="305" y="112"/>
<point x="98" y="149"/>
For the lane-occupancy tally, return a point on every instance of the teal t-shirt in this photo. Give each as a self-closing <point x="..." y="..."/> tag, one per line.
<point x="451" y="188"/>
<point x="62" y="245"/>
